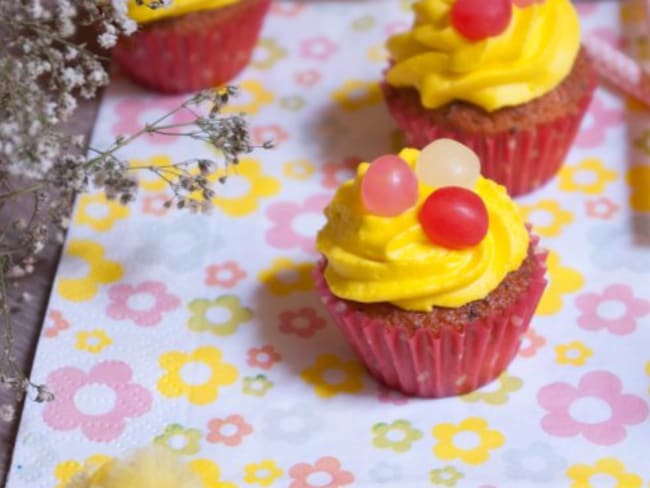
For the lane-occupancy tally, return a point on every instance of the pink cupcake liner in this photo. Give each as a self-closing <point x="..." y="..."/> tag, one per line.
<point x="185" y="60"/>
<point x="521" y="161"/>
<point x="440" y="363"/>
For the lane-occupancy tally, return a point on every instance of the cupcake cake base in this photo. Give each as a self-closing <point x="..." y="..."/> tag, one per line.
<point x="519" y="147"/>
<point x="445" y="352"/>
<point x="198" y="50"/>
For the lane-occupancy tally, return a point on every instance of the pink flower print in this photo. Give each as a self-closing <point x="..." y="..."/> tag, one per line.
<point x="263" y="357"/>
<point x="229" y="431"/>
<point x="324" y="473"/>
<point x="586" y="8"/>
<point x="598" y="119"/>
<point x="532" y="342"/>
<point x="286" y="216"/>
<point x="98" y="402"/>
<point x="599" y="399"/>
<point x="308" y="77"/>
<point x="134" y="112"/>
<point x="616" y="310"/>
<point x="318" y="48"/>
<point x="127" y="302"/>
<point x="155" y="205"/>
<point x="396" y="27"/>
<point x="386" y="395"/>
<point x="335" y="173"/>
<point x="286" y="9"/>
<point x="601" y="208"/>
<point x="303" y="322"/>
<point x="273" y="133"/>
<point x="225" y="275"/>
<point x="59" y="324"/>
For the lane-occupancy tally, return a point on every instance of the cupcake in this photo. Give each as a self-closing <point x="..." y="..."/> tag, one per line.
<point x="192" y="44"/>
<point x="429" y="270"/>
<point x="508" y="79"/>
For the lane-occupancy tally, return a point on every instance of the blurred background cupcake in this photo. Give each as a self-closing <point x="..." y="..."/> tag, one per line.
<point x="191" y="44"/>
<point x="429" y="270"/>
<point x="507" y="78"/>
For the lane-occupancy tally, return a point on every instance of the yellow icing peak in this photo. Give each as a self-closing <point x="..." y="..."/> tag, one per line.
<point x="143" y="14"/>
<point x="529" y="59"/>
<point x="374" y="259"/>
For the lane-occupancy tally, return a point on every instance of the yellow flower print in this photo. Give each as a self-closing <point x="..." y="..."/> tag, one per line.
<point x="285" y="276"/>
<point x="574" y="353"/>
<point x="590" y="176"/>
<point x="348" y="376"/>
<point x="298" y="170"/>
<point x="562" y="280"/>
<point x="243" y="188"/>
<point x="204" y="363"/>
<point x="189" y="440"/>
<point x="638" y="178"/>
<point x="109" y="212"/>
<point x="65" y="471"/>
<point x="378" y="54"/>
<point x="357" y="94"/>
<point x="398" y="435"/>
<point x="647" y="371"/>
<point x="580" y="474"/>
<point x="483" y="439"/>
<point x="100" y="271"/>
<point x="505" y="385"/>
<point x="255" y="96"/>
<point x="209" y="474"/>
<point x="151" y="172"/>
<point x="548" y="208"/>
<point x="263" y="473"/>
<point x="272" y="53"/>
<point x="93" y="341"/>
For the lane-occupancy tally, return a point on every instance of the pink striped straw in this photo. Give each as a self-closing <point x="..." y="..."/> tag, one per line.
<point x="619" y="69"/>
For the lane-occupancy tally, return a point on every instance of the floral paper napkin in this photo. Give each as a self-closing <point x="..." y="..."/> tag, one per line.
<point x="203" y="334"/>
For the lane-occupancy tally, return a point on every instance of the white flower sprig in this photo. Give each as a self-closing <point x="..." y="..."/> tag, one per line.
<point x="43" y="72"/>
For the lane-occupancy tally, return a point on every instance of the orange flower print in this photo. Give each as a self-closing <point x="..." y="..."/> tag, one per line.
<point x="155" y="205"/>
<point x="59" y="324"/>
<point x="273" y="133"/>
<point x="531" y="343"/>
<point x="229" y="431"/>
<point x="303" y="473"/>
<point x="226" y="275"/>
<point x="263" y="357"/>
<point x="601" y="208"/>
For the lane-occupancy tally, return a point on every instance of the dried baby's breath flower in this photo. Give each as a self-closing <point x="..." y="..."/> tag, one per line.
<point x="43" y="72"/>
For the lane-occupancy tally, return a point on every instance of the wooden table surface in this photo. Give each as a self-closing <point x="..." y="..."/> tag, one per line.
<point x="28" y="321"/>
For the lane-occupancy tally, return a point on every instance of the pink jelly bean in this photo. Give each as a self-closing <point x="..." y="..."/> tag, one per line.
<point x="389" y="187"/>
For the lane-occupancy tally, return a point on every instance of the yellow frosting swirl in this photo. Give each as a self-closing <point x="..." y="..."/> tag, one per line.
<point x="143" y="14"/>
<point x="374" y="259"/>
<point x="529" y="59"/>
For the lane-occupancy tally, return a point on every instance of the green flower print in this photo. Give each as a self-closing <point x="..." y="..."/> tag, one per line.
<point x="199" y="321"/>
<point x="500" y="395"/>
<point x="273" y="53"/>
<point x="363" y="23"/>
<point x="447" y="476"/>
<point x="256" y="385"/>
<point x="179" y="440"/>
<point x="398" y="435"/>
<point x="293" y="103"/>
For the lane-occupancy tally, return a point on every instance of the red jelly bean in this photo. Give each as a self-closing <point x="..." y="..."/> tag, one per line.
<point x="389" y="187"/>
<point x="479" y="19"/>
<point x="454" y="217"/>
